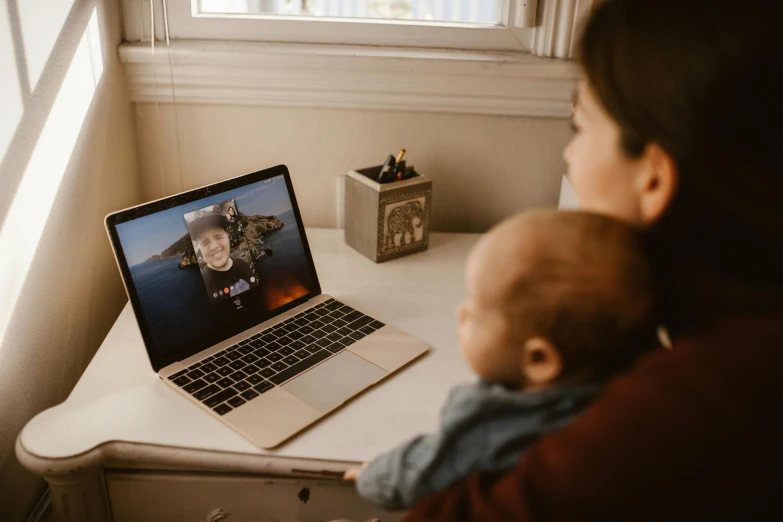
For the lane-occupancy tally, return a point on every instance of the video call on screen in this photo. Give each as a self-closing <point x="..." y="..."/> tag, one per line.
<point x="197" y="266"/>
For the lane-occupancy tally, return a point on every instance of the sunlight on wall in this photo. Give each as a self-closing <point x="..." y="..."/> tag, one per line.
<point x="10" y="91"/>
<point x="40" y="35"/>
<point x="24" y="225"/>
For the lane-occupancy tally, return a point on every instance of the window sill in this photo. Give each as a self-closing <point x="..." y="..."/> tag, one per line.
<point x="353" y="77"/>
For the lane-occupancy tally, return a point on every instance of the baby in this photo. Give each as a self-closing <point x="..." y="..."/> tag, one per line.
<point x="558" y="302"/>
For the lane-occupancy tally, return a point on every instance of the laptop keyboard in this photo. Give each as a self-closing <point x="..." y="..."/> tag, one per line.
<point x="240" y="373"/>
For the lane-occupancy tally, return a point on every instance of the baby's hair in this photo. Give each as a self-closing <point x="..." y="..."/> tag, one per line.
<point x="587" y="288"/>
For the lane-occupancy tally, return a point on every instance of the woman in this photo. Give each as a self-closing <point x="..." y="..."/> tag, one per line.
<point x="678" y="130"/>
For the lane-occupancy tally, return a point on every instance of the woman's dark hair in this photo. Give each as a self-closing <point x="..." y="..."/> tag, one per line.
<point x="702" y="79"/>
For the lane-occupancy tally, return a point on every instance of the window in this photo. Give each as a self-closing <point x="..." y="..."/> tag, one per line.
<point x="474" y="11"/>
<point x="501" y="25"/>
<point x="459" y="56"/>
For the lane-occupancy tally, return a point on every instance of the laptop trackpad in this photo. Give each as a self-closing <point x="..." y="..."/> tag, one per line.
<point x="332" y="383"/>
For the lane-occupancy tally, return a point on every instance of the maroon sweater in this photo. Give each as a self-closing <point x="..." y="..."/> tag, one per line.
<point x="691" y="434"/>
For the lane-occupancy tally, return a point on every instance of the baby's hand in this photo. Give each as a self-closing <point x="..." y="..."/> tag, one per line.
<point x="353" y="473"/>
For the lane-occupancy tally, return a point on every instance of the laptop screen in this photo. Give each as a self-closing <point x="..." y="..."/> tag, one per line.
<point x="206" y="265"/>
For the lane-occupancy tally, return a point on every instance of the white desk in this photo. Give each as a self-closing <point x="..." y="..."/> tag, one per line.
<point x="125" y="447"/>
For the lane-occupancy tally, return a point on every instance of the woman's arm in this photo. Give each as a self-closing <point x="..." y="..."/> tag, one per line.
<point x="661" y="439"/>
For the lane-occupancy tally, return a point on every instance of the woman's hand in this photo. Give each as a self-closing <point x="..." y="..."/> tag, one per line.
<point x="353" y="473"/>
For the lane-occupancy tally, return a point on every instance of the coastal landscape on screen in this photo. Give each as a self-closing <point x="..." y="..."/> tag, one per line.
<point x="165" y="269"/>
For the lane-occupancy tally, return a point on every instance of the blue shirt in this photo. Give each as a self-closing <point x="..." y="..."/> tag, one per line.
<point x="483" y="427"/>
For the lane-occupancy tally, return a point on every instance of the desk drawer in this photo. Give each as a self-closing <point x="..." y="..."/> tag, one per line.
<point x="143" y="496"/>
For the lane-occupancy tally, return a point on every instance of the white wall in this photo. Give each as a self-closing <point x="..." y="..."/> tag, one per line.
<point x="483" y="167"/>
<point x="67" y="158"/>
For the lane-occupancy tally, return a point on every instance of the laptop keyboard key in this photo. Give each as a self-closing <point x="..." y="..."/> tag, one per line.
<point x="306" y="329"/>
<point x="212" y="377"/>
<point x="194" y="386"/>
<point x="268" y="338"/>
<point x="284" y="341"/>
<point x="362" y="321"/>
<point x="242" y="386"/>
<point x="296" y="335"/>
<point x="203" y="393"/>
<point x="367" y="329"/>
<point x="329" y="328"/>
<point x="317" y="324"/>
<point x="262" y="352"/>
<point x="308" y="339"/>
<point x="296" y="345"/>
<point x="225" y="371"/>
<point x="347" y="340"/>
<point x="274" y="357"/>
<point x="238" y="376"/>
<point x="377" y="324"/>
<point x="222" y="409"/>
<point x="279" y="366"/>
<point x="223" y="396"/>
<point x="326" y="341"/>
<point x="236" y="402"/>
<point x="249" y="395"/>
<point x="245" y="349"/>
<point x="237" y="365"/>
<point x="251" y="369"/>
<point x="352" y="316"/>
<point x="333" y="305"/>
<point x="318" y="334"/>
<point x="263" y="363"/>
<point x="357" y="335"/>
<point x="321" y="312"/>
<point x="263" y="387"/>
<point x="234" y="356"/>
<point x="207" y="368"/>
<point x="273" y="347"/>
<point x="178" y="374"/>
<point x="225" y="382"/>
<point x="344" y="331"/>
<point x="335" y="347"/>
<point x="196" y="374"/>
<point x="182" y="380"/>
<point x="267" y="372"/>
<point x="285" y="351"/>
<point x="302" y="354"/>
<point x="290" y="360"/>
<point x="299" y="367"/>
<point x="339" y="323"/>
<point x="312" y="348"/>
<point x="250" y="358"/>
<point x="255" y="379"/>
<point x="332" y="337"/>
<point x="221" y="361"/>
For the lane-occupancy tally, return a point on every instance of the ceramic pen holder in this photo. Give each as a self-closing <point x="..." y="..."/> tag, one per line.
<point x="385" y="221"/>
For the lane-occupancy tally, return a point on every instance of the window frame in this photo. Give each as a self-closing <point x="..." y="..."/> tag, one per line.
<point x="515" y="32"/>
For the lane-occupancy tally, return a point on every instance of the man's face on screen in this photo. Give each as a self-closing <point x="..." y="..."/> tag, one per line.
<point x="215" y="247"/>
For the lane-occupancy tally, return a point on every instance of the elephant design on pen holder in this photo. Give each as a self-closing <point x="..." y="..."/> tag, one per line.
<point x="401" y="221"/>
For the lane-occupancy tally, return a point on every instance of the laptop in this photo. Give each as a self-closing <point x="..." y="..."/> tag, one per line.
<point x="230" y="308"/>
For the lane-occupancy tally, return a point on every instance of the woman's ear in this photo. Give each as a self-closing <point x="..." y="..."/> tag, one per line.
<point x="541" y="362"/>
<point x="658" y="184"/>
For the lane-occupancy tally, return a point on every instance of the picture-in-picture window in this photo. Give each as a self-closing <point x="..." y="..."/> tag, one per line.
<point x="223" y="256"/>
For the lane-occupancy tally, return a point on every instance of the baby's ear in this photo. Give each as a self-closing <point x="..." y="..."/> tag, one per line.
<point x="541" y="361"/>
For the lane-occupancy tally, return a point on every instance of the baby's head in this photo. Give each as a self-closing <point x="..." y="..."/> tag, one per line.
<point x="555" y="297"/>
